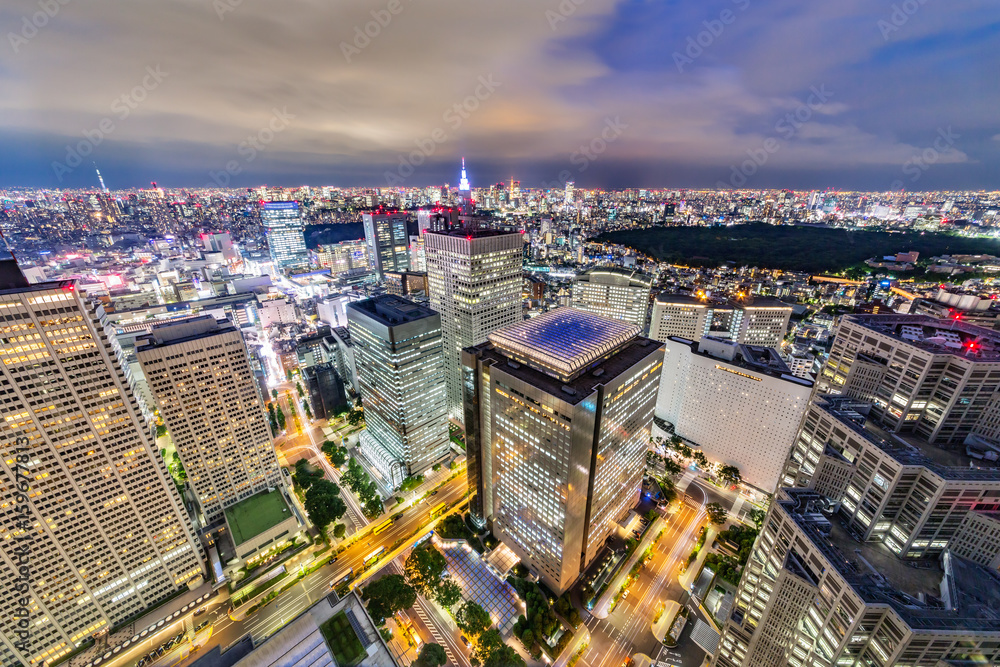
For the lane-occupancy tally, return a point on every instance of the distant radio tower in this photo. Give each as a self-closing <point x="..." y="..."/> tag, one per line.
<point x="100" y="178"/>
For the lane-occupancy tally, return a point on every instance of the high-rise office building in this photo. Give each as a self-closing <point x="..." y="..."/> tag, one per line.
<point x="891" y="487"/>
<point x="620" y="294"/>
<point x="388" y="241"/>
<point x="200" y="375"/>
<point x="714" y="388"/>
<point x="683" y="316"/>
<point x="475" y="284"/>
<point x="286" y="241"/>
<point x="558" y="412"/>
<point x="811" y="594"/>
<point x="344" y="257"/>
<point x="400" y="363"/>
<point x="763" y="322"/>
<point x="935" y="378"/>
<point x="88" y="509"/>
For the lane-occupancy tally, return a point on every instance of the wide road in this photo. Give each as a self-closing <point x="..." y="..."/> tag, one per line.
<point x="271" y="618"/>
<point x="628" y="629"/>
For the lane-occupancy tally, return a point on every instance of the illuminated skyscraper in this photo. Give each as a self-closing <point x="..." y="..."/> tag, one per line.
<point x="475" y="284"/>
<point x="558" y="411"/>
<point x="621" y="294"/>
<point x="388" y="239"/>
<point x="285" y="230"/>
<point x="200" y="375"/>
<point x="398" y="351"/>
<point x="106" y="533"/>
<point x="463" y="183"/>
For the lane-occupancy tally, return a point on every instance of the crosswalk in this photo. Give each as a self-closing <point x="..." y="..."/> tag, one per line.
<point x="430" y="625"/>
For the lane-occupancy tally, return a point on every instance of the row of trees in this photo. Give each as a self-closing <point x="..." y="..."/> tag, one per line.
<point x="358" y="481"/>
<point x="729" y="474"/>
<point x="490" y="650"/>
<point x="323" y="503"/>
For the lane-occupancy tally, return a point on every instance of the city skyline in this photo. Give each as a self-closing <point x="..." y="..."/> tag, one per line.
<point x="607" y="94"/>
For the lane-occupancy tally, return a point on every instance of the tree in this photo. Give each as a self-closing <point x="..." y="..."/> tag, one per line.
<point x="356" y="417"/>
<point x="716" y="513"/>
<point x="288" y="374"/>
<point x="472" y="619"/>
<point x="338" y="456"/>
<point x="730" y="474"/>
<point x="305" y="475"/>
<point x="374" y="507"/>
<point x="671" y="467"/>
<point x="668" y="489"/>
<point x="431" y="655"/>
<point x="448" y="593"/>
<point x="298" y="388"/>
<point x="339" y="531"/>
<point x="424" y="567"/>
<point x="324" y="504"/>
<point x="683" y="450"/>
<point x="274" y="394"/>
<point x="388" y="595"/>
<point x="757" y="516"/>
<point x="279" y="413"/>
<point x="307" y="410"/>
<point x="492" y="652"/>
<point x="700" y="459"/>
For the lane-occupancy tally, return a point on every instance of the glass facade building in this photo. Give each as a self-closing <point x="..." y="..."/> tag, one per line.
<point x="387" y="237"/>
<point x="399" y="357"/>
<point x="286" y="241"/>
<point x="558" y="410"/>
<point x="474" y="278"/>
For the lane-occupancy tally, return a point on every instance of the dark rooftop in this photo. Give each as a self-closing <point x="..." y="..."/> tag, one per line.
<point x="909" y="450"/>
<point x="583" y="385"/>
<point x="935" y="335"/>
<point x="969" y="600"/>
<point x="391" y="310"/>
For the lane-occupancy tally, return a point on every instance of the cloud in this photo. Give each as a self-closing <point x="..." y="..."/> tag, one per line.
<point x="368" y="80"/>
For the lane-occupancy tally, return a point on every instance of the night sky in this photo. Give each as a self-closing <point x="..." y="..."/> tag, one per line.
<point x="839" y="94"/>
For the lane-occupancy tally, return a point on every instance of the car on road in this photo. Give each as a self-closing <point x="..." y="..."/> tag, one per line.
<point x="465" y="641"/>
<point x="433" y="493"/>
<point x="200" y="611"/>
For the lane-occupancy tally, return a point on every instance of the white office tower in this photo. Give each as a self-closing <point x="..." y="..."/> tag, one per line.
<point x="286" y="241"/>
<point x="92" y="530"/>
<point x="388" y="241"/>
<point x="739" y="403"/>
<point x="811" y="594"/>
<point x="570" y="194"/>
<point x="619" y="294"/>
<point x="400" y="362"/>
<point x="763" y="322"/>
<point x="475" y="284"/>
<point x="200" y="375"/>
